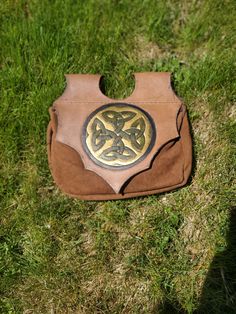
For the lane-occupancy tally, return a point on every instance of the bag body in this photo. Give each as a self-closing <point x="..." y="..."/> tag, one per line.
<point x="101" y="148"/>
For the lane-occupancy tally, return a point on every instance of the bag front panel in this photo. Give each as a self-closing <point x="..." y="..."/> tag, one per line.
<point x="169" y="170"/>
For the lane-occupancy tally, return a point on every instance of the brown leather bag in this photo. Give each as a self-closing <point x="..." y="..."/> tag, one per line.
<point x="101" y="148"/>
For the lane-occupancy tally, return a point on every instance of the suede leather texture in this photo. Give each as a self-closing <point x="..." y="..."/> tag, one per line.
<point x="170" y="161"/>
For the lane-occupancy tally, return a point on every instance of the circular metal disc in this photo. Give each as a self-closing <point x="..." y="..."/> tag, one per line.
<point x="118" y="135"/>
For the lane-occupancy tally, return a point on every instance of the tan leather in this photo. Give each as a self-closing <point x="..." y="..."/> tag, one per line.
<point x="167" y="164"/>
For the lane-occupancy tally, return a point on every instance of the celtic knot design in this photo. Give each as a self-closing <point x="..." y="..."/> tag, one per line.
<point x="118" y="135"/>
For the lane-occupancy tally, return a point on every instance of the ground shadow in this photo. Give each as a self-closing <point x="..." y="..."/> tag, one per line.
<point x="219" y="290"/>
<point x="168" y="307"/>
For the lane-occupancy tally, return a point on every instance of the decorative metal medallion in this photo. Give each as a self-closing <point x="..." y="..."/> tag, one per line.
<point x="118" y="135"/>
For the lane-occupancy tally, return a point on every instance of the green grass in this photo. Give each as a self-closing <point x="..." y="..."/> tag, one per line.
<point x="167" y="253"/>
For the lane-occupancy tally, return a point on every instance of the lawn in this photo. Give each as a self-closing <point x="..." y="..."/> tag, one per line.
<point x="168" y="253"/>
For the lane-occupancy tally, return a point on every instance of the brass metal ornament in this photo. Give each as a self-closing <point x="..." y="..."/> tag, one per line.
<point x="118" y="135"/>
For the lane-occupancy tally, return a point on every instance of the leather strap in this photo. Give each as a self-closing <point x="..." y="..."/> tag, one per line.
<point x="149" y="86"/>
